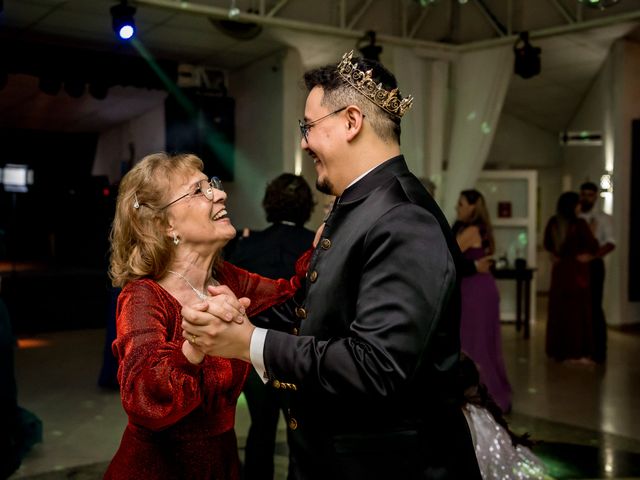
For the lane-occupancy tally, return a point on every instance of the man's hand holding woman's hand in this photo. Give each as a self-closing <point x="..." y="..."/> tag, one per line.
<point x="219" y="325"/>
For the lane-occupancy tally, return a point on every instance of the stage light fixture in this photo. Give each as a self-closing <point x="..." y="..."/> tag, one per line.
<point x="427" y="3"/>
<point x="599" y="4"/>
<point x="368" y="48"/>
<point x="527" y="62"/>
<point x="123" y="23"/>
<point x="234" y="11"/>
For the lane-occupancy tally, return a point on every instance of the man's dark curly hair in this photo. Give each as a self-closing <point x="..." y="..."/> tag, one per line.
<point x="338" y="93"/>
<point x="288" y="198"/>
<point x="473" y="391"/>
<point x="589" y="186"/>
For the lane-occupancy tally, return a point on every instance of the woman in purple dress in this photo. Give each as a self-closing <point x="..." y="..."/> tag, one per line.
<point x="480" y="319"/>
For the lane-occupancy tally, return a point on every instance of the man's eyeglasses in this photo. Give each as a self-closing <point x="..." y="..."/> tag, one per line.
<point x="305" y="127"/>
<point x="203" y="187"/>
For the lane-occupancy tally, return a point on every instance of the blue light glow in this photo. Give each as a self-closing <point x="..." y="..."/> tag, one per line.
<point x="126" y="32"/>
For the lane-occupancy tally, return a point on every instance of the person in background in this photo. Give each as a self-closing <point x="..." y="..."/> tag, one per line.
<point x="369" y="349"/>
<point x="20" y="429"/>
<point x="465" y="267"/>
<point x="480" y="318"/>
<point x="571" y="244"/>
<point x="108" y="376"/>
<point x="288" y="203"/>
<point x="169" y="229"/>
<point x="602" y="229"/>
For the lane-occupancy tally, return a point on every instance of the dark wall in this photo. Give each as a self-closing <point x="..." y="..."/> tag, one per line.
<point x="64" y="216"/>
<point x="58" y="64"/>
<point x="204" y="125"/>
<point x="634" y="214"/>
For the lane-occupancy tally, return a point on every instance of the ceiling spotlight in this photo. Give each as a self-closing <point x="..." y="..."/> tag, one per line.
<point x="234" y="11"/>
<point x="426" y="3"/>
<point x="599" y="4"/>
<point x="527" y="63"/>
<point x="368" y="48"/>
<point x="123" y="23"/>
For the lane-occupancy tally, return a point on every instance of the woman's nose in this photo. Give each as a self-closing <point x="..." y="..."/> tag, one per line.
<point x="219" y="195"/>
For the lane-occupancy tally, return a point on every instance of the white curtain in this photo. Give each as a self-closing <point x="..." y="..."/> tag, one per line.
<point x="411" y="73"/>
<point x="480" y="81"/>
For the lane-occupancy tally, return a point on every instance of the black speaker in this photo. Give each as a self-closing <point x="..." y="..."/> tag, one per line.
<point x="634" y="214"/>
<point x="203" y="125"/>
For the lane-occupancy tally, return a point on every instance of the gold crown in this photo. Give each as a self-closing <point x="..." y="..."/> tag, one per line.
<point x="362" y="81"/>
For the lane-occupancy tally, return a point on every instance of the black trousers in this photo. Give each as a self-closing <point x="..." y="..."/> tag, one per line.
<point x="9" y="454"/>
<point x="599" y="322"/>
<point x="442" y="449"/>
<point x="264" y="404"/>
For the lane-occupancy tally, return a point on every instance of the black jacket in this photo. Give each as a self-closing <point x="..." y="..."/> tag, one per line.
<point x="372" y="372"/>
<point x="271" y="252"/>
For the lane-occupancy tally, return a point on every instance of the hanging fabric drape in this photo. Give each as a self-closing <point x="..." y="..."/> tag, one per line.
<point x="480" y="81"/>
<point x="411" y="73"/>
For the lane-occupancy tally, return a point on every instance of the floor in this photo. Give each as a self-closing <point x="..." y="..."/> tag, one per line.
<point x="586" y="419"/>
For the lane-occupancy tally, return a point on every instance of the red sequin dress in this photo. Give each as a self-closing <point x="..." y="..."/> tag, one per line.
<point x="181" y="416"/>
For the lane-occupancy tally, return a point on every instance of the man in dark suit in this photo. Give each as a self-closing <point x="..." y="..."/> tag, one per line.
<point x="370" y="350"/>
<point x="272" y="253"/>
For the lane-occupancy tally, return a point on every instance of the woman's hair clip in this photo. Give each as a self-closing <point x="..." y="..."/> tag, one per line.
<point x="136" y="204"/>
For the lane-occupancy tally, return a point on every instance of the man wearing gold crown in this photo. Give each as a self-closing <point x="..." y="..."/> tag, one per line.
<point x="368" y="350"/>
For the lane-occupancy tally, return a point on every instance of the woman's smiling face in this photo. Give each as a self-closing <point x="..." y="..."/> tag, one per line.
<point x="195" y="218"/>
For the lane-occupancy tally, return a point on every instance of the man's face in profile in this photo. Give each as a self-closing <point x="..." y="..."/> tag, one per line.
<point x="588" y="199"/>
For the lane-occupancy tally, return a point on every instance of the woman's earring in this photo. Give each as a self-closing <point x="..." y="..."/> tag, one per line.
<point x="176" y="240"/>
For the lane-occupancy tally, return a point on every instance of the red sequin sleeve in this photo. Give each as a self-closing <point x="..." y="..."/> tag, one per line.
<point x="158" y="384"/>
<point x="262" y="291"/>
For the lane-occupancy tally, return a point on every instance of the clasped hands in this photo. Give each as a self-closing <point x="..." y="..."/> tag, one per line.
<point x="217" y="326"/>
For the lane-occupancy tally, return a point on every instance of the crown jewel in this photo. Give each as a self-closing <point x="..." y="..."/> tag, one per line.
<point x="362" y="81"/>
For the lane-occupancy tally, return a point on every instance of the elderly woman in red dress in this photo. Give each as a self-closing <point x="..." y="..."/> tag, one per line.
<point x="169" y="229"/>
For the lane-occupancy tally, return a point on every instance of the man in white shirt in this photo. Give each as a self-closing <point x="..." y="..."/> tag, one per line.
<point x="602" y="229"/>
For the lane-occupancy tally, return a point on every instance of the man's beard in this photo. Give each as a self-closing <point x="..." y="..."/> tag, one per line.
<point x="324" y="186"/>
<point x="586" y="206"/>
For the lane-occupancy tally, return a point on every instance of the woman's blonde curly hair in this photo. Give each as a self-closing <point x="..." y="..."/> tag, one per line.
<point x="140" y="246"/>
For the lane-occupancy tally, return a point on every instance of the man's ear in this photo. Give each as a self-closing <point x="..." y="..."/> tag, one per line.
<point x="354" y="119"/>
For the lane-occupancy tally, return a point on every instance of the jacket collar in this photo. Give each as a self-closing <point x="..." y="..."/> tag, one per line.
<point x="378" y="176"/>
